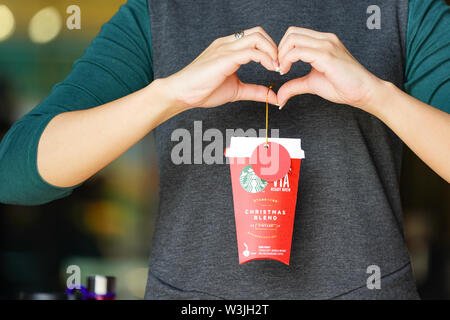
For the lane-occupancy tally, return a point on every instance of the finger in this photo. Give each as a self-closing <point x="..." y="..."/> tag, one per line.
<point x="300" y="40"/>
<point x="303" y="31"/>
<point x="318" y="58"/>
<point x="264" y="33"/>
<point x="246" y="55"/>
<point x="258" y="29"/>
<point x="255" y="92"/>
<point x="258" y="41"/>
<point x="292" y="88"/>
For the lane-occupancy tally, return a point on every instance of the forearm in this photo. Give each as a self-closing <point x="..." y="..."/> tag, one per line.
<point x="425" y="129"/>
<point x="75" y="145"/>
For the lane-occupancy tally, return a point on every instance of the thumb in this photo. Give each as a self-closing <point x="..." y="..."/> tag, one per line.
<point x="292" y="88"/>
<point x="255" y="92"/>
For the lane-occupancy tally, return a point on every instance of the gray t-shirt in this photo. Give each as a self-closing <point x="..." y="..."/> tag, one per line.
<point x="348" y="214"/>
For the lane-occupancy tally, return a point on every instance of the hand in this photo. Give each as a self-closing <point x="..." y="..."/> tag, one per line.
<point x="335" y="75"/>
<point x="210" y="80"/>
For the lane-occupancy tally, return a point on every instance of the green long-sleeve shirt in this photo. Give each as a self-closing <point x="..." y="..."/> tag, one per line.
<point x="119" y="62"/>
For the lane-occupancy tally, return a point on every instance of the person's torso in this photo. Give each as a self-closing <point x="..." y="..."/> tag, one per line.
<point x="348" y="214"/>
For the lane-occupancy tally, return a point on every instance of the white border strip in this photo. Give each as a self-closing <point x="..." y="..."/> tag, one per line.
<point x="244" y="146"/>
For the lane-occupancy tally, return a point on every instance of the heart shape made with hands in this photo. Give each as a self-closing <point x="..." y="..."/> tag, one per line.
<point x="335" y="74"/>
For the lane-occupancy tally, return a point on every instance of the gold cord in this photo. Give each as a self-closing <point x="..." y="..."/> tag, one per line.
<point x="267" y="115"/>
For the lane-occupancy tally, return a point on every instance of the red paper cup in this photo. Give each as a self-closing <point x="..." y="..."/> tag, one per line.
<point x="264" y="210"/>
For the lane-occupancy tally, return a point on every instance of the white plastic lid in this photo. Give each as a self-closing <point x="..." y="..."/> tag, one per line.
<point x="244" y="146"/>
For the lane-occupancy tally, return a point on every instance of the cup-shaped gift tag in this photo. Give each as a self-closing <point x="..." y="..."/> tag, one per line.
<point x="265" y="182"/>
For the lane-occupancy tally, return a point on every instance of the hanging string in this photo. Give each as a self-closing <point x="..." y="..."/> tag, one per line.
<point x="267" y="116"/>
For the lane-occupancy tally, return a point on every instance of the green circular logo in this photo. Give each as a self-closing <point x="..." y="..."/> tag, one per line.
<point x="250" y="181"/>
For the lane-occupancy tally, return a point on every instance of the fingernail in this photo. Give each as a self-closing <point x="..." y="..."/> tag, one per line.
<point x="279" y="106"/>
<point x="281" y="73"/>
<point x="276" y="65"/>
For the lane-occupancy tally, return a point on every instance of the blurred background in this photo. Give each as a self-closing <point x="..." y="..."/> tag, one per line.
<point x="106" y="226"/>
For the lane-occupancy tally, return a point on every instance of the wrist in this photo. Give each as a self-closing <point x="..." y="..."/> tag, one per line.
<point x="381" y="95"/>
<point x="162" y="94"/>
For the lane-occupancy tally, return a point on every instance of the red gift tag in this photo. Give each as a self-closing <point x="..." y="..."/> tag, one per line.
<point x="264" y="210"/>
<point x="270" y="161"/>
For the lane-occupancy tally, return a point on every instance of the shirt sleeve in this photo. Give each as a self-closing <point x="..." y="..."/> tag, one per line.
<point x="116" y="63"/>
<point x="427" y="69"/>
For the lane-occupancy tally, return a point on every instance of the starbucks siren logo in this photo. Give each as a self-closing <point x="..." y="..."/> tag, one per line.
<point x="250" y="181"/>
